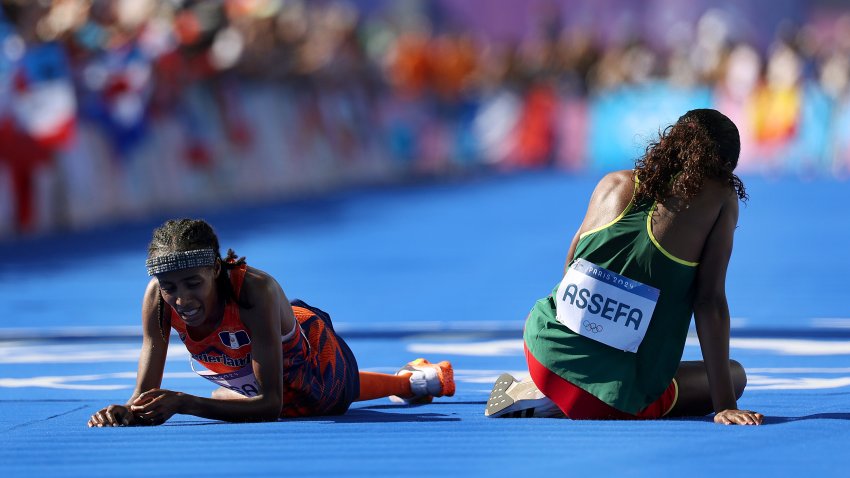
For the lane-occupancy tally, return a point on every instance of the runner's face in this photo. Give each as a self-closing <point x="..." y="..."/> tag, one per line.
<point x="190" y="292"/>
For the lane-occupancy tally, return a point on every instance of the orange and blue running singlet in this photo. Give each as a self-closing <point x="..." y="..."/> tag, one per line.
<point x="320" y="374"/>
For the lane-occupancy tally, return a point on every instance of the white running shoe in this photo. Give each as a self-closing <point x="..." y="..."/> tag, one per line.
<point x="511" y="398"/>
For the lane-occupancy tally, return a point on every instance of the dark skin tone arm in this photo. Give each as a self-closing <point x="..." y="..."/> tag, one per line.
<point x="152" y="405"/>
<point x="151" y="365"/>
<point x="711" y="316"/>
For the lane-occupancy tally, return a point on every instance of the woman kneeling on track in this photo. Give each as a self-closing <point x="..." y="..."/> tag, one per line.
<point x="271" y="358"/>
<point x="652" y="250"/>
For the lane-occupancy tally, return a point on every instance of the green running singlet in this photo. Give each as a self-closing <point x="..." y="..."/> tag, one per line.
<point x="627" y="381"/>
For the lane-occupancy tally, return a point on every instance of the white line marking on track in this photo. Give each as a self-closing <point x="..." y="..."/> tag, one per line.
<point x="491" y="348"/>
<point x="761" y="382"/>
<point x="494" y="348"/>
<point x="21" y="353"/>
<point x="839" y="370"/>
<point x="793" y="346"/>
<point x="68" y="382"/>
<point x="486" y="376"/>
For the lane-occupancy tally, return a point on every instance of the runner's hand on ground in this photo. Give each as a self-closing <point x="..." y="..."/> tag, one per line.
<point x="112" y="416"/>
<point x="738" y="417"/>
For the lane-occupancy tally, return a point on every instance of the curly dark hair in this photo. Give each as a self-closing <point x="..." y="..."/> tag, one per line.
<point x="178" y="235"/>
<point x="702" y="144"/>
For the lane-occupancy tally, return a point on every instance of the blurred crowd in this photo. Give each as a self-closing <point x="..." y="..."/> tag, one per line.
<point x="113" y="109"/>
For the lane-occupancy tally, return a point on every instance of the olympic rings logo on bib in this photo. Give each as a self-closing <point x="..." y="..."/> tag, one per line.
<point x="590" y="295"/>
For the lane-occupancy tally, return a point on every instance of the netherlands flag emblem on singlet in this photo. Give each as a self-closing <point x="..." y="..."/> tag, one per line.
<point x="234" y="340"/>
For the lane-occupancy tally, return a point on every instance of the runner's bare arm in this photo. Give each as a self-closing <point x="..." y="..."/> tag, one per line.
<point x="711" y="315"/>
<point x="154" y="342"/>
<point x="151" y="362"/>
<point x="264" y="324"/>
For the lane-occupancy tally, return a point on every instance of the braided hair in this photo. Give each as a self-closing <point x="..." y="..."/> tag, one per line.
<point x="178" y="235"/>
<point x="702" y="144"/>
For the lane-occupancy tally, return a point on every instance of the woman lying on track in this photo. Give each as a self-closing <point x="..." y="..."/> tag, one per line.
<point x="652" y="251"/>
<point x="271" y="358"/>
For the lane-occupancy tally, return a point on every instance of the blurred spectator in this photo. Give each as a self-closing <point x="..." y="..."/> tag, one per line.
<point x="40" y="113"/>
<point x="115" y="108"/>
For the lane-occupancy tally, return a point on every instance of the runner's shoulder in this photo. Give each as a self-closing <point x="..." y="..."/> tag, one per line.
<point x="258" y="285"/>
<point x="617" y="183"/>
<point x="617" y="179"/>
<point x="151" y="291"/>
<point x="720" y="192"/>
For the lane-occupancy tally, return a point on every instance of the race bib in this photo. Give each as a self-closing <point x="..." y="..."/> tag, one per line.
<point x="605" y="306"/>
<point x="241" y="381"/>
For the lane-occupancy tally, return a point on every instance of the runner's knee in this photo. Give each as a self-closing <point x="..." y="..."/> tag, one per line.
<point x="739" y="377"/>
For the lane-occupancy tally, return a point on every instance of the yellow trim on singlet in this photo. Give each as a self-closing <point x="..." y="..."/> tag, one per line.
<point x="675" y="398"/>
<point x="616" y="219"/>
<point x="658" y="245"/>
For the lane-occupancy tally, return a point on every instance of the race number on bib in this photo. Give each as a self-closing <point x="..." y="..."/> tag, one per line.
<point x="605" y="306"/>
<point x="241" y="381"/>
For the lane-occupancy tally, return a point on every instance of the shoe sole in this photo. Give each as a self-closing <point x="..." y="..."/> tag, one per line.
<point x="500" y="401"/>
<point x="513" y="405"/>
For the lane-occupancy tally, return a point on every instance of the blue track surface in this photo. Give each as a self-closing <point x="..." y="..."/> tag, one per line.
<point x="443" y="271"/>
